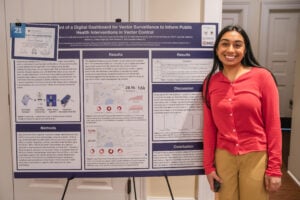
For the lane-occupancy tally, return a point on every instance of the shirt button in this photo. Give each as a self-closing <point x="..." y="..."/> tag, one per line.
<point x="230" y="114"/>
<point x="234" y="130"/>
<point x="237" y="145"/>
<point x="229" y="99"/>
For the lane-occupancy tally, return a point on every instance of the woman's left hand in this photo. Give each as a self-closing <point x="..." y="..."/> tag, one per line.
<point x="273" y="183"/>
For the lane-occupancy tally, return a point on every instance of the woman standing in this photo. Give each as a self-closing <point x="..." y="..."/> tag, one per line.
<point x="242" y="133"/>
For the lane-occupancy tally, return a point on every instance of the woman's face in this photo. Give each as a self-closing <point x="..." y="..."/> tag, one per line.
<point x="231" y="49"/>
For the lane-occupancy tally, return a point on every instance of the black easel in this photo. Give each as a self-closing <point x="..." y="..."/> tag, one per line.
<point x="129" y="188"/>
<point x="170" y="190"/>
<point x="66" y="187"/>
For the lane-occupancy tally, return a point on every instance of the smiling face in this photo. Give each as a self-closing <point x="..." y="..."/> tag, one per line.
<point x="231" y="49"/>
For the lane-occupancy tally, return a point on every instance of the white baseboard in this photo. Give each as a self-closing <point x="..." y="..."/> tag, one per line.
<point x="293" y="177"/>
<point x="169" y="198"/>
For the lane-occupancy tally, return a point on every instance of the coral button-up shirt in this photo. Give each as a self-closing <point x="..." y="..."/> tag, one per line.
<point x="243" y="117"/>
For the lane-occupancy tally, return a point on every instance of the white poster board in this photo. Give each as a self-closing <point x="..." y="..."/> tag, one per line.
<point x="109" y="99"/>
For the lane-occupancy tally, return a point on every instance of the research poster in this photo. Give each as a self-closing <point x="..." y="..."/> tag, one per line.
<point x="108" y="99"/>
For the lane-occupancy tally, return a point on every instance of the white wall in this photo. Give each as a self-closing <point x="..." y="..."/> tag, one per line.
<point x="294" y="161"/>
<point x="6" y="184"/>
<point x="173" y="10"/>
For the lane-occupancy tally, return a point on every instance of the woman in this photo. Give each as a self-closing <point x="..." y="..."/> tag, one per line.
<point x="242" y="133"/>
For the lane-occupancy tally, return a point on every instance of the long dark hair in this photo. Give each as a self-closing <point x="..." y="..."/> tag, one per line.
<point x="248" y="60"/>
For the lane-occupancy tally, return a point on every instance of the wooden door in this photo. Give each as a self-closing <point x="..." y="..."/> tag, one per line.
<point x="281" y="56"/>
<point x="278" y="46"/>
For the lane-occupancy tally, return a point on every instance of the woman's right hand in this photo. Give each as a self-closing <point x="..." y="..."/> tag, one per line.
<point x="210" y="177"/>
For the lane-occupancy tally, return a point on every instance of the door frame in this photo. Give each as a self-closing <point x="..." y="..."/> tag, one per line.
<point x="6" y="174"/>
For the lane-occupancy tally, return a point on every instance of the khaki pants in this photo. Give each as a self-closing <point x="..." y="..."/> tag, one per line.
<point x="242" y="175"/>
